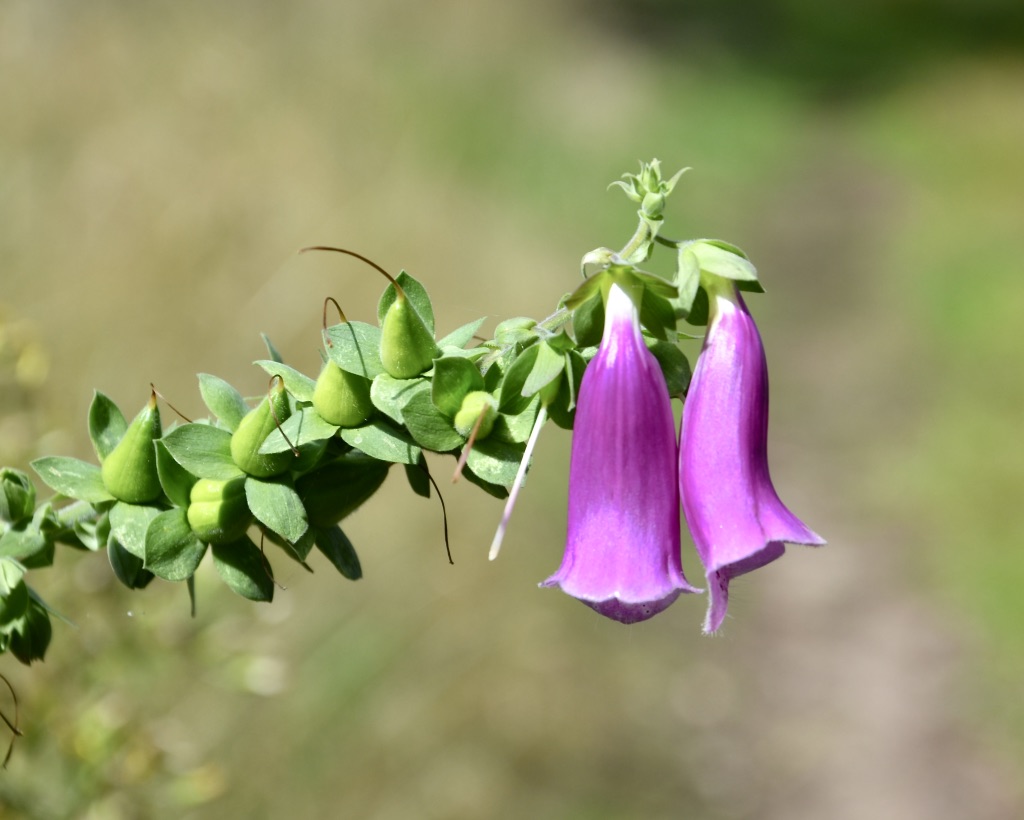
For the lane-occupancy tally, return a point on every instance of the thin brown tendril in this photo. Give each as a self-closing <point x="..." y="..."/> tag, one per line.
<point x="444" y="511"/>
<point x="15" y="731"/>
<point x="360" y="257"/>
<point x="323" y="328"/>
<point x="164" y="399"/>
<point x="277" y="421"/>
<point x="464" y="455"/>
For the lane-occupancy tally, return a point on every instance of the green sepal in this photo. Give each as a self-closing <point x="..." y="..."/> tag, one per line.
<point x="407" y="346"/>
<point x="699" y="310"/>
<point x="223" y="400"/>
<point x="173" y="552"/>
<point x="218" y="511"/>
<point x="176" y="480"/>
<point x="590" y="288"/>
<point x="722" y="259"/>
<point x="382" y="440"/>
<point x="453" y="378"/>
<point x="296" y="383"/>
<point x="128" y="569"/>
<point x="29" y="643"/>
<point x="301" y="428"/>
<point x="338" y="549"/>
<point x="254" y="429"/>
<point x="355" y="347"/>
<point x="418" y="298"/>
<point x="93" y="533"/>
<point x="17" y="496"/>
<point x="674" y="365"/>
<point x="429" y="427"/>
<point x="342" y="398"/>
<point x="242" y="566"/>
<point x="562" y="410"/>
<point x="338" y="488"/>
<point x="277" y="505"/>
<point x="107" y="425"/>
<point x="203" y="450"/>
<point x="496" y="462"/>
<point x="13" y="593"/>
<point x="687" y="280"/>
<point x="271" y="350"/>
<point x="129" y="471"/>
<point x="461" y="335"/>
<point x="588" y="322"/>
<point x="515" y="331"/>
<point x="73" y="478"/>
<point x="658" y="316"/>
<point x="128" y="524"/>
<point x="27" y="545"/>
<point x="390" y="395"/>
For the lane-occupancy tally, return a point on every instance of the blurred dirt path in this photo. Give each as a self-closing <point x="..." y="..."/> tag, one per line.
<point x="862" y="708"/>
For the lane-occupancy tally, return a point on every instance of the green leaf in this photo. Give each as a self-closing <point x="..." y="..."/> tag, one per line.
<point x="563" y="409"/>
<point x="460" y="336"/>
<point x="276" y="505"/>
<point x="300" y="428"/>
<point x="203" y="450"/>
<point x="355" y="347"/>
<point x="428" y="425"/>
<point x="512" y="400"/>
<point x="380" y="439"/>
<point x="454" y="377"/>
<point x="588" y="322"/>
<point x="176" y="480"/>
<point x="334" y="544"/>
<point x="243" y="568"/>
<point x="224" y="401"/>
<point x="416" y="475"/>
<point x="389" y="394"/>
<point x="720" y="258"/>
<point x="128" y="524"/>
<point x="27" y="545"/>
<point x="172" y="551"/>
<point x="491" y="489"/>
<point x="93" y="534"/>
<point x="699" y="311"/>
<point x="31" y="641"/>
<point x="584" y="293"/>
<point x="336" y="489"/>
<point x="417" y="296"/>
<point x="271" y="350"/>
<point x="73" y="478"/>
<point x="13" y="592"/>
<point x="674" y="365"/>
<point x="687" y="280"/>
<point x="516" y="429"/>
<point x="548" y="367"/>
<point x="107" y="425"/>
<point x="298" y="384"/>
<point x="657" y="315"/>
<point x="495" y="461"/>
<point x="655" y="285"/>
<point x="127" y="568"/>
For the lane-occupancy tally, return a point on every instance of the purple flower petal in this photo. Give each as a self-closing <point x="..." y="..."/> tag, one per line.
<point x="735" y="516"/>
<point x="622" y="549"/>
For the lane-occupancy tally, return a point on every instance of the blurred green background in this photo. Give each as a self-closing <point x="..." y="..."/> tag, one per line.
<point x="160" y="163"/>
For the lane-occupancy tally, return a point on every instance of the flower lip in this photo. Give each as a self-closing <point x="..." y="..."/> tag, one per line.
<point x="736" y="518"/>
<point x="622" y="547"/>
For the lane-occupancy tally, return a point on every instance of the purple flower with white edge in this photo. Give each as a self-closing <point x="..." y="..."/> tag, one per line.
<point x="622" y="548"/>
<point x="735" y="516"/>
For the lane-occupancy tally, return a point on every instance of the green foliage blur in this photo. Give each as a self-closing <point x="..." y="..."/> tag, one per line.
<point x="160" y="164"/>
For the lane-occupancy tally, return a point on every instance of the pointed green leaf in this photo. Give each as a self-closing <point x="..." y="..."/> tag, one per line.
<point x="674" y="365"/>
<point x="300" y="428"/>
<point x="389" y="394"/>
<point x="172" y="551"/>
<point x="588" y="322"/>
<point x="107" y="425"/>
<point x="496" y="462"/>
<point x="585" y="292"/>
<point x="355" y="347"/>
<point x="203" y="450"/>
<point x="26" y="545"/>
<point x="461" y="335"/>
<point x="30" y="642"/>
<point x="73" y="478"/>
<point x="277" y="506"/>
<point x="380" y="439"/>
<point x="512" y="400"/>
<point x="176" y="480"/>
<point x="687" y="279"/>
<point x="296" y="383"/>
<point x="243" y="568"/>
<point x="127" y="568"/>
<point x="128" y="524"/>
<point x="224" y="401"/>
<point x="720" y="259"/>
<point x="657" y="315"/>
<point x="417" y="296"/>
<point x="429" y="426"/>
<point x="334" y="544"/>
<point x="271" y="350"/>
<point x="453" y="378"/>
<point x="548" y="367"/>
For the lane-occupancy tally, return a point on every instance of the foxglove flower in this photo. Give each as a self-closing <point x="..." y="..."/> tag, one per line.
<point x="735" y="516"/>
<point x="622" y="549"/>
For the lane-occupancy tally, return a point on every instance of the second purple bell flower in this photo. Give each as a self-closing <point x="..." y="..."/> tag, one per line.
<point x="735" y="516"/>
<point x="622" y="549"/>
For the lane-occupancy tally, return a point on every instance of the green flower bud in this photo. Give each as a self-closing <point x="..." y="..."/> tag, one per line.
<point x="218" y="512"/>
<point x="253" y="430"/>
<point x="17" y="496"/>
<point x="129" y="472"/>
<point x="334" y="491"/>
<point x="342" y="398"/>
<point x="475" y="403"/>
<point x="407" y="347"/>
<point x="653" y="205"/>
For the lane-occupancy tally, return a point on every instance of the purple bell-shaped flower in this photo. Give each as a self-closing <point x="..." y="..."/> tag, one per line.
<point x="622" y="549"/>
<point x="735" y="516"/>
